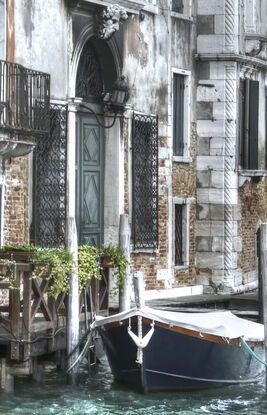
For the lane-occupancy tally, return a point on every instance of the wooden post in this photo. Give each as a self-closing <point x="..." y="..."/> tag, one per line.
<point x="15" y="314"/>
<point x="264" y="281"/>
<point x="139" y="289"/>
<point x="124" y="238"/>
<point x="73" y="303"/>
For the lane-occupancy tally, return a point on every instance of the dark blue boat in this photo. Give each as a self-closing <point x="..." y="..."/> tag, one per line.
<point x="157" y="350"/>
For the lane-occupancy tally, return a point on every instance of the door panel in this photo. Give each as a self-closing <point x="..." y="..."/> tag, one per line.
<point x="90" y="173"/>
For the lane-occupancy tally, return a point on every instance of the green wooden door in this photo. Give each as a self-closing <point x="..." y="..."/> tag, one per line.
<point x="89" y="180"/>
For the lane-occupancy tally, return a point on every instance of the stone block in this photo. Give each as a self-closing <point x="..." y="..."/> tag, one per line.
<point x="238" y="277"/>
<point x="204" y="110"/>
<point x="218" y="110"/>
<point x="205" y="7"/>
<point x="203" y="244"/>
<point x="164" y="153"/>
<point x="217" y="228"/>
<point x="211" y="92"/>
<point x="216" y="196"/>
<point x="217" y="179"/>
<point x="205" y="24"/>
<point x="217" y="146"/>
<point x="217" y="212"/>
<point x="203" y="146"/>
<point x="202" y="195"/>
<point x="203" y="179"/>
<point x="203" y="70"/>
<point x="203" y="211"/>
<point x="237" y="244"/>
<point x="237" y="212"/>
<point x="215" y="163"/>
<point x="208" y="128"/>
<point x="203" y="228"/>
<point x="210" y="43"/>
<point x="217" y="244"/>
<point x="217" y="71"/>
<point x="250" y="276"/>
<point x="203" y="280"/>
<point x="212" y="260"/>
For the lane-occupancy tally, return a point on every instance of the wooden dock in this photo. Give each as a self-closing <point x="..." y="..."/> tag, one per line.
<point x="33" y="324"/>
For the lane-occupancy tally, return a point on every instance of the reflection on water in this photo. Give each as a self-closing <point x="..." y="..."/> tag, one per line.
<point x="98" y="394"/>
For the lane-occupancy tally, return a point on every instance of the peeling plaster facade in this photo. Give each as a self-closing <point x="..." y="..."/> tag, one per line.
<point x="212" y="45"/>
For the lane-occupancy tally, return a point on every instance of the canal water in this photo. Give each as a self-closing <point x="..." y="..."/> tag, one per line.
<point x="99" y="394"/>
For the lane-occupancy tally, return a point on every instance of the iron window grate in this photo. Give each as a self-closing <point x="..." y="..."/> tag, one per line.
<point x="178" y="234"/>
<point x="145" y="181"/>
<point x="49" y="209"/>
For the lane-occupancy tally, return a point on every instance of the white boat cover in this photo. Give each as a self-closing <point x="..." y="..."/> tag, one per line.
<point x="218" y="323"/>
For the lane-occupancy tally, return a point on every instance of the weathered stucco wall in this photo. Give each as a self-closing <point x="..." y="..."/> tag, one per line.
<point x="41" y="40"/>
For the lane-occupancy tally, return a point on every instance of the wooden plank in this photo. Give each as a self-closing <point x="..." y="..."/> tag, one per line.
<point x="27" y="295"/>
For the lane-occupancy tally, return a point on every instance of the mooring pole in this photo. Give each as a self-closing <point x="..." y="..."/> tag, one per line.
<point x="124" y="238"/>
<point x="138" y="281"/>
<point x="263" y="302"/>
<point x="73" y="304"/>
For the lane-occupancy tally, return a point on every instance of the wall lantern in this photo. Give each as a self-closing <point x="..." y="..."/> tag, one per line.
<point x="114" y="100"/>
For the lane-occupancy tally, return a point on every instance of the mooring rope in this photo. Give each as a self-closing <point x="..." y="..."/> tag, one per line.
<point x="250" y="351"/>
<point x="84" y="350"/>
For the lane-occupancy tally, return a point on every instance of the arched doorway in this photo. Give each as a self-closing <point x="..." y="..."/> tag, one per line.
<point x="91" y="81"/>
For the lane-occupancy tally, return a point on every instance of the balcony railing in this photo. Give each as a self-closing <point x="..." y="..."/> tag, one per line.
<point x="24" y="100"/>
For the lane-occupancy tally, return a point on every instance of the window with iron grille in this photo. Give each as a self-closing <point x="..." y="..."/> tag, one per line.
<point x="178" y="244"/>
<point x="49" y="195"/>
<point x="248" y="123"/>
<point x="145" y="181"/>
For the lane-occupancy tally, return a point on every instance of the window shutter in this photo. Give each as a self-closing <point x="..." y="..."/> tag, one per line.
<point x="241" y="120"/>
<point x="145" y="181"/>
<point x="178" y="114"/>
<point x="253" y="124"/>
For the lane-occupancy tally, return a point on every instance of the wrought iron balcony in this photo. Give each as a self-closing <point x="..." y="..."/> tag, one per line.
<point x="24" y="102"/>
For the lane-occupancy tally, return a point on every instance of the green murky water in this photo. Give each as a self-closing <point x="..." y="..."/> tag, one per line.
<point x="99" y="394"/>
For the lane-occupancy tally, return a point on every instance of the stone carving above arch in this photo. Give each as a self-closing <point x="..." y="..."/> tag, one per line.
<point x="109" y="21"/>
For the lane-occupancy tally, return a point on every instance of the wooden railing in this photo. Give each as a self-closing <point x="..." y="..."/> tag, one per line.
<point x="31" y="315"/>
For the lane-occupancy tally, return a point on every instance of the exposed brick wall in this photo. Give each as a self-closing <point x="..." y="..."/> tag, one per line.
<point x="253" y="200"/>
<point x="183" y="185"/>
<point x="15" y="229"/>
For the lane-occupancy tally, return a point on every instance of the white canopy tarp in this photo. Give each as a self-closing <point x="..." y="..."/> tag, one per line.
<point x="218" y="323"/>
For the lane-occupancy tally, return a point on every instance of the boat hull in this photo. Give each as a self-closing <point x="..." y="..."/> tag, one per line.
<point x="177" y="361"/>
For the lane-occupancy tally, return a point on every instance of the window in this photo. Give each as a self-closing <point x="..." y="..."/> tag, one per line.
<point x="49" y="195"/>
<point x="177" y="6"/>
<point x="181" y="115"/>
<point x="248" y="123"/>
<point x="145" y="181"/>
<point x="181" y="231"/>
<point x="2" y="29"/>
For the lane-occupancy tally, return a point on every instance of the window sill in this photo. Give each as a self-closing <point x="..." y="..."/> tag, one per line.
<point x="252" y="173"/>
<point x="145" y="251"/>
<point x="180" y="267"/>
<point x="182" y="159"/>
<point x="182" y="16"/>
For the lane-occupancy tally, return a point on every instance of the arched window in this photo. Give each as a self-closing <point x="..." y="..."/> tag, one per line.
<point x="89" y="82"/>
